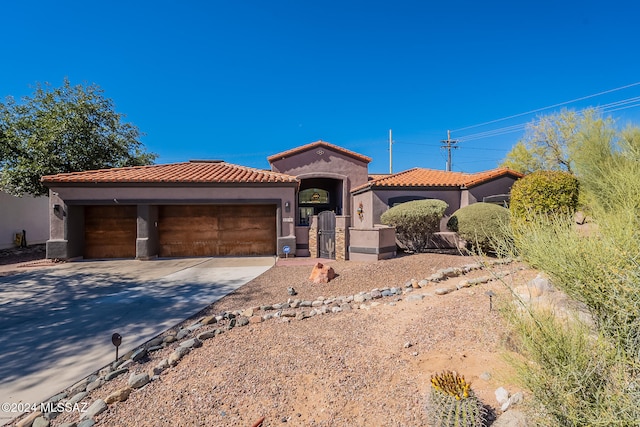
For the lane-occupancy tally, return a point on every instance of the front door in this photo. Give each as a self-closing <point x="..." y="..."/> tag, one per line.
<point x="327" y="235"/>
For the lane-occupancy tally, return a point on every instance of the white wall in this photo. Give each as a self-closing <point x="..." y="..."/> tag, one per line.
<point x="23" y="213"/>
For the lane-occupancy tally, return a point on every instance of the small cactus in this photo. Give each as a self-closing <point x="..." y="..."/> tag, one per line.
<point x="452" y="403"/>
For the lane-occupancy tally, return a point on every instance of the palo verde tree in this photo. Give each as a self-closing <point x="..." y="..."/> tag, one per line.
<point x="65" y="129"/>
<point x="551" y="142"/>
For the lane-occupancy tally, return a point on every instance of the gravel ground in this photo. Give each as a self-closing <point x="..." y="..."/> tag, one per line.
<point x="364" y="367"/>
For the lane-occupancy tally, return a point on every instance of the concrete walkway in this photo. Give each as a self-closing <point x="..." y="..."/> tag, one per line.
<point x="56" y="322"/>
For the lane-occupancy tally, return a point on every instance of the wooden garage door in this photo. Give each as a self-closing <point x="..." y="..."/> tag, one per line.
<point x="217" y="230"/>
<point x="110" y="231"/>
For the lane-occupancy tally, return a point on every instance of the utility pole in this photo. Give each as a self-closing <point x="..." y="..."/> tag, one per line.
<point x="449" y="144"/>
<point x="390" y="153"/>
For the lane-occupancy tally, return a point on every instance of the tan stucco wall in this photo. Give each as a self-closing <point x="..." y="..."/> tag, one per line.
<point x="23" y="213"/>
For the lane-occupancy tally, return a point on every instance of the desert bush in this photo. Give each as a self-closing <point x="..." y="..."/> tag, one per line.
<point x="589" y="376"/>
<point x="480" y="224"/>
<point x="415" y="222"/>
<point x="544" y="193"/>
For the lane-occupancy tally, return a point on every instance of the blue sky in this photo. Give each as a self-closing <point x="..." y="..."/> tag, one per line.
<point x="241" y="80"/>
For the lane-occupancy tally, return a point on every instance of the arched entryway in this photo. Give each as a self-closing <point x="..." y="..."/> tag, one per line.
<point x="318" y="195"/>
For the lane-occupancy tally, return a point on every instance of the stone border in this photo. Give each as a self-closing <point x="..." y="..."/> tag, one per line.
<point x="286" y="311"/>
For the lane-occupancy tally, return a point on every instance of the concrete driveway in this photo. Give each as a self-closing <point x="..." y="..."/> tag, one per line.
<point x="56" y="323"/>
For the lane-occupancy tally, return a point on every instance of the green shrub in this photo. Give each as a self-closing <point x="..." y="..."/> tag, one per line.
<point x="415" y="222"/>
<point x="480" y="224"/>
<point x="544" y="193"/>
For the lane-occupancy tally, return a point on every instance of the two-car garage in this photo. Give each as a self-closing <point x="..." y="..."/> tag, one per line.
<point x="183" y="230"/>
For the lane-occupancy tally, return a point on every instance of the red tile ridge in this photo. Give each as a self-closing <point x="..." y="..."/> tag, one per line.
<point x="319" y="143"/>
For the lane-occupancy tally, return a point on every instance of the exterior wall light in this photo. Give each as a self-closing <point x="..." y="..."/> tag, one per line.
<point x="56" y="208"/>
<point x="360" y="211"/>
<point x="287" y="206"/>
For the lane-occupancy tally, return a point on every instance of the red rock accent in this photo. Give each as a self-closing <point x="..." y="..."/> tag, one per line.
<point x="322" y="273"/>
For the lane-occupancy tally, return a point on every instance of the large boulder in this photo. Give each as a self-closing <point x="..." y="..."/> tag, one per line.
<point x="322" y="273"/>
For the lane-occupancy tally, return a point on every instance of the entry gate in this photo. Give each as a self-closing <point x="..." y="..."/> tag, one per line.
<point x="327" y="235"/>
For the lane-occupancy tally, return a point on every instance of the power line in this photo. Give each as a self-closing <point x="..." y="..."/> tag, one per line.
<point x="606" y="108"/>
<point x="549" y="107"/>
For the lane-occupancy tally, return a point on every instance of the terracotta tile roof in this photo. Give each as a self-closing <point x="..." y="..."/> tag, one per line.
<point x="186" y="172"/>
<point x="420" y="177"/>
<point x="317" y="144"/>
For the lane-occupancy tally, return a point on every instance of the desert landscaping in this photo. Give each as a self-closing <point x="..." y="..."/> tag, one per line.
<point x="358" y="350"/>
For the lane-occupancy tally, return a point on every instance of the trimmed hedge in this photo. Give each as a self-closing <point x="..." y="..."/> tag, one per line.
<point x="415" y="222"/>
<point x="544" y="193"/>
<point x="481" y="225"/>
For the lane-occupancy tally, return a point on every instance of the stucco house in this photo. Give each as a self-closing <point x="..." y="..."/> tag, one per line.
<point x="317" y="200"/>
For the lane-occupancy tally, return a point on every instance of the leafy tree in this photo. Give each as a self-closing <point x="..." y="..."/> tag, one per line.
<point x="65" y="129"/>
<point x="551" y="142"/>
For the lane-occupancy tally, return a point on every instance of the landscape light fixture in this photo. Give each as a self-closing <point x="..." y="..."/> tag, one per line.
<point x="490" y="294"/>
<point x="116" y="339"/>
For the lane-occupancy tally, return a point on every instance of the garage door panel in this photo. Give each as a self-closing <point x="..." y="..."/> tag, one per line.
<point x="110" y="231"/>
<point x="217" y="230"/>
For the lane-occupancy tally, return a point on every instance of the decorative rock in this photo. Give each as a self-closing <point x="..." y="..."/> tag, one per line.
<point x="463" y="284"/>
<point x="96" y="408"/>
<point x="322" y="274"/>
<point x="375" y="304"/>
<point x="113" y="374"/>
<point x="206" y="335"/>
<point x="407" y="344"/>
<point x="138" y="380"/>
<point x="178" y="354"/>
<point x="118" y="396"/>
<point x="57" y="398"/>
<point x="423" y="283"/>
<point x="194" y="326"/>
<point x="182" y="333"/>
<point x="414" y="297"/>
<point x="86" y="423"/>
<point x="28" y="421"/>
<point x="291" y="291"/>
<point x="502" y="395"/>
<point x="97" y="383"/>
<point x="242" y="321"/>
<point x="73" y="424"/>
<point x="40" y="422"/>
<point x="77" y="397"/>
<point x="154" y="342"/>
<point x="450" y="272"/>
<point x="154" y="348"/>
<point x="345" y="307"/>
<point x="336" y="309"/>
<point x="255" y="319"/>
<point x="375" y="294"/>
<point x="387" y="293"/>
<point x="444" y="291"/>
<point x="102" y="373"/>
<point x="485" y="376"/>
<point x="414" y="284"/>
<point x="160" y="367"/>
<point x="247" y="313"/>
<point x="169" y="339"/>
<point x="302" y="315"/>
<point x="407" y="284"/>
<point x="208" y="320"/>
<point x="436" y="277"/>
<point x="191" y="343"/>
<point x="139" y="354"/>
<point x="511" y="418"/>
<point x="81" y="385"/>
<point x="295" y="304"/>
<point x="358" y="298"/>
<point x="289" y="313"/>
